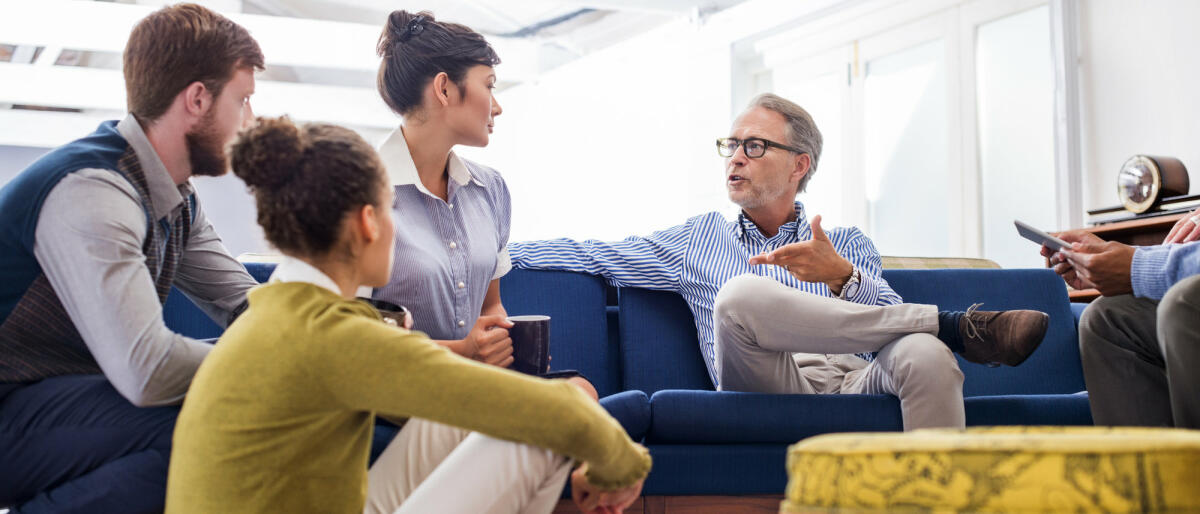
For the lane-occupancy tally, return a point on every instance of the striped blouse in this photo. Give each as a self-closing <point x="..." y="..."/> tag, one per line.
<point x="696" y="258"/>
<point x="447" y="252"/>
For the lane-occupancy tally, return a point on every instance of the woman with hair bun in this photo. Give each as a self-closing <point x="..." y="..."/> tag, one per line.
<point x="280" y="415"/>
<point x="450" y="251"/>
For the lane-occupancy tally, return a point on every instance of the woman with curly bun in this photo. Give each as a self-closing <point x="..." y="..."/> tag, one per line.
<point x="280" y="415"/>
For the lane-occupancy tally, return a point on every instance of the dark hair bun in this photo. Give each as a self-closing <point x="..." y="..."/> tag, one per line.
<point x="268" y="155"/>
<point x="402" y="26"/>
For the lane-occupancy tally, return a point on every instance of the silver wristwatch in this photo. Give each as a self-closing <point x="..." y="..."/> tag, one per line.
<point x="850" y="288"/>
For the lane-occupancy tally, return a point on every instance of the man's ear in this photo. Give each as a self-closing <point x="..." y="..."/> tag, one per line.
<point x="197" y="99"/>
<point x="802" y="164"/>
<point x="441" y="88"/>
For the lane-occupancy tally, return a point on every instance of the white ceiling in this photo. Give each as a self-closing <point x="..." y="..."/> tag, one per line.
<point x="60" y="59"/>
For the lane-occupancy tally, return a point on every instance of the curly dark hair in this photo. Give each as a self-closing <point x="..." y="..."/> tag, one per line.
<point x="415" y="48"/>
<point x="306" y="180"/>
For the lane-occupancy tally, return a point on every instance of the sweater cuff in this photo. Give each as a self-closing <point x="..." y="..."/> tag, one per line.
<point x="1148" y="273"/>
<point x="634" y="470"/>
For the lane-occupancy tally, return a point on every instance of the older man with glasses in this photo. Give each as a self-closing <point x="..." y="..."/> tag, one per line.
<point x="781" y="305"/>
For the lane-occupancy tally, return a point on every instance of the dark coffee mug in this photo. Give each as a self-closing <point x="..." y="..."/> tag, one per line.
<point x="531" y="343"/>
<point x="392" y="314"/>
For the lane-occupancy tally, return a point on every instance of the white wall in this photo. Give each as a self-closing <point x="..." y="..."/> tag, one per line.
<point x="619" y="142"/>
<point x="1139" y="83"/>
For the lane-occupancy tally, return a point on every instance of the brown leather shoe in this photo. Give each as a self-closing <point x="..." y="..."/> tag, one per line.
<point x="1001" y="337"/>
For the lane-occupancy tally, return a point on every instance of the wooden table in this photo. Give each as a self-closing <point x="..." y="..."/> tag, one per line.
<point x="1138" y="232"/>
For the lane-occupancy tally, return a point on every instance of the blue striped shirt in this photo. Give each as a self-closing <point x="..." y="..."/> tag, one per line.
<point x="696" y="258"/>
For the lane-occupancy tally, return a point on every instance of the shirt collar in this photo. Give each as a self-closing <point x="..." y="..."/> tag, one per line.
<point x="165" y="196"/>
<point x="291" y="269"/>
<point x="798" y="226"/>
<point x="402" y="171"/>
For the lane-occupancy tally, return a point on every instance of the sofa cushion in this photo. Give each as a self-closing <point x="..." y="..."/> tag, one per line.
<point x="1032" y="409"/>
<point x="1053" y="368"/>
<point x="578" y="324"/>
<point x="632" y="410"/>
<point x="183" y="317"/>
<point x="659" y="347"/>
<point x="711" y="417"/>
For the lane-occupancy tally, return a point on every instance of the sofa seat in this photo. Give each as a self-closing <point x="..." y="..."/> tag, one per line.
<point x="710" y="417"/>
<point x="716" y="469"/>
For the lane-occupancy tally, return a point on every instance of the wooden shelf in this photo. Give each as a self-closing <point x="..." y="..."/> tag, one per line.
<point x="1083" y="295"/>
<point x="1139" y="232"/>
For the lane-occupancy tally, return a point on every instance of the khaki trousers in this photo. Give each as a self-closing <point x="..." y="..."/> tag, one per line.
<point x="772" y="338"/>
<point x="430" y="467"/>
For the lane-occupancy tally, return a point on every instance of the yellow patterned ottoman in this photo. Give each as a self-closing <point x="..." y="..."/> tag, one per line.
<point x="997" y="469"/>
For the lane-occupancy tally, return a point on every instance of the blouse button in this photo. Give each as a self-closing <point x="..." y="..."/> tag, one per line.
<point x="462" y="323"/>
<point x="453" y="244"/>
<point x="461" y="285"/>
<point x="451" y="206"/>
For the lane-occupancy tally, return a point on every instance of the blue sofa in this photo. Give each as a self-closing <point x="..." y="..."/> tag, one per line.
<point x="639" y="348"/>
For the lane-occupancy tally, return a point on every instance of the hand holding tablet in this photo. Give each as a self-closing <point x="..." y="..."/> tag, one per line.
<point x="1039" y="237"/>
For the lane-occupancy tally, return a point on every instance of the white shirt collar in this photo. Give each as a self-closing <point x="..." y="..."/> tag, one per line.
<point x="402" y="170"/>
<point x="291" y="269"/>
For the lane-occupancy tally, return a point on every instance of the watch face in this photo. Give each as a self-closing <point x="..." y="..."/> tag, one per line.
<point x="1138" y="183"/>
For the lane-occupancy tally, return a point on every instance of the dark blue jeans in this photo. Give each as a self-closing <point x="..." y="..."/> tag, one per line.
<point x="74" y="444"/>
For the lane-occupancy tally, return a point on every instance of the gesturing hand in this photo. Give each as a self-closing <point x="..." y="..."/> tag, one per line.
<point x="591" y="499"/>
<point x="811" y="261"/>
<point x="488" y="341"/>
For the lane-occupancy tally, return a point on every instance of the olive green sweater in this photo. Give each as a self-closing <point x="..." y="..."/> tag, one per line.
<point x="280" y="415"/>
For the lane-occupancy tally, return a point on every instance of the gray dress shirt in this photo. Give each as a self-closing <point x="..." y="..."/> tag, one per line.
<point x="88" y="242"/>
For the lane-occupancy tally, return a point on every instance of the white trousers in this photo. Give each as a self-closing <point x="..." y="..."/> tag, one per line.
<point x="430" y="467"/>
<point x="771" y="338"/>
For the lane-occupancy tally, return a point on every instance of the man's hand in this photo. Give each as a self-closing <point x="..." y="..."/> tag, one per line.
<point x="1064" y="268"/>
<point x="1104" y="265"/>
<point x="811" y="261"/>
<point x="488" y="341"/>
<point x="590" y="498"/>
<point x="1186" y="230"/>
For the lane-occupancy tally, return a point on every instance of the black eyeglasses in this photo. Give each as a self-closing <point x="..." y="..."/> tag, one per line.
<point x="754" y="147"/>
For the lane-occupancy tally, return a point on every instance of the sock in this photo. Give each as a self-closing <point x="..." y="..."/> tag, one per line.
<point x="948" y="329"/>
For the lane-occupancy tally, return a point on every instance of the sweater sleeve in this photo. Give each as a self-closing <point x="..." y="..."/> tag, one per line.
<point x="371" y="366"/>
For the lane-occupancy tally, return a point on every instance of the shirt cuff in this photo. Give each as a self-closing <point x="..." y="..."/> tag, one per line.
<point x="868" y="290"/>
<point x="503" y="264"/>
<point x="1148" y="272"/>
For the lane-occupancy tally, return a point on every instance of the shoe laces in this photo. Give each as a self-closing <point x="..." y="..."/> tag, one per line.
<point x="972" y="330"/>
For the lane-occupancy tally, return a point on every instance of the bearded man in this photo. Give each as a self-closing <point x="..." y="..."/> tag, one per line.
<point x="92" y="238"/>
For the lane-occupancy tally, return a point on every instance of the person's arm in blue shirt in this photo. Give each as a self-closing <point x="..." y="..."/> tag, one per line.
<point x="1156" y="268"/>
<point x="857" y="248"/>
<point x="652" y="262"/>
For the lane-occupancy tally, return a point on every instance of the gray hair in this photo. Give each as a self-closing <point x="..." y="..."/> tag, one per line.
<point x="802" y="132"/>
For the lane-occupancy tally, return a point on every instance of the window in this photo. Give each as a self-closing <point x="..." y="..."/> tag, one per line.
<point x="943" y="124"/>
